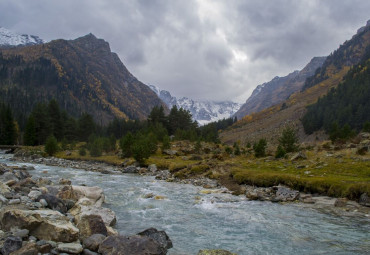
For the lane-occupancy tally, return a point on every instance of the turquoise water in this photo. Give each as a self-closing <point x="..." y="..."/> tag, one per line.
<point x="195" y="220"/>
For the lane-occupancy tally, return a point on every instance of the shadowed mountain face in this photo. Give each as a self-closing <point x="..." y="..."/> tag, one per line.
<point x="278" y="89"/>
<point x="83" y="75"/>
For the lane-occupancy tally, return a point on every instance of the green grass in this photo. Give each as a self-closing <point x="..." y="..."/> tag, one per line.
<point x="333" y="177"/>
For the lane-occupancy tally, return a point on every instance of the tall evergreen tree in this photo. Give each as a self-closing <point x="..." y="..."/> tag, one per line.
<point x="30" y="132"/>
<point x="8" y="134"/>
<point x="56" y="122"/>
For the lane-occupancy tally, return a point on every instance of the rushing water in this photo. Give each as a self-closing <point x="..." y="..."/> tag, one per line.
<point x="195" y="221"/>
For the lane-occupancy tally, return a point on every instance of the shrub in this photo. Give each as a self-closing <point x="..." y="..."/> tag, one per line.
<point x="96" y="148"/>
<point x="51" y="146"/>
<point x="288" y="140"/>
<point x="166" y="143"/>
<point x="228" y="150"/>
<point x="236" y="149"/>
<point x="82" y="151"/>
<point x="280" y="152"/>
<point x="260" y="148"/>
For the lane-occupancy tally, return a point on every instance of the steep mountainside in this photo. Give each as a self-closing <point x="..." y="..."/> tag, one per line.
<point x="10" y="39"/>
<point x="278" y="89"/>
<point x="269" y="123"/>
<point x="202" y="111"/>
<point x="83" y="75"/>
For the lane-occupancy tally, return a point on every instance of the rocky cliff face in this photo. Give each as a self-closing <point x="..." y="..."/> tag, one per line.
<point x="202" y="111"/>
<point x="278" y="89"/>
<point x="83" y="75"/>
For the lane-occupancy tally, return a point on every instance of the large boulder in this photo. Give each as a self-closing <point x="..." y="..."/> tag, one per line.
<point x="130" y="245"/>
<point x="91" y="224"/>
<point x="67" y="193"/>
<point x="28" y="249"/>
<point x="131" y="170"/>
<point x="215" y="252"/>
<point x="159" y="236"/>
<point x="11" y="244"/>
<point x="364" y="200"/>
<point x="94" y="194"/>
<point x="44" y="224"/>
<point x="107" y="215"/>
<point x="71" y="248"/>
<point x="54" y="203"/>
<point x="284" y="194"/>
<point x="92" y="242"/>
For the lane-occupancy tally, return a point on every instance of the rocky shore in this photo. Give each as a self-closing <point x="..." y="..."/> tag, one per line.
<point x="38" y="216"/>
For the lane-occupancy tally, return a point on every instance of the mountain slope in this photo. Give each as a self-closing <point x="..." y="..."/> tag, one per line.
<point x="9" y="39"/>
<point x="270" y="122"/>
<point x="278" y="89"/>
<point x="202" y="111"/>
<point x="83" y="75"/>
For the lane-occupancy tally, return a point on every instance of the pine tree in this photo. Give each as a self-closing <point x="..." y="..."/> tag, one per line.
<point x="126" y="144"/>
<point x="30" y="132"/>
<point x="288" y="140"/>
<point x="51" y="145"/>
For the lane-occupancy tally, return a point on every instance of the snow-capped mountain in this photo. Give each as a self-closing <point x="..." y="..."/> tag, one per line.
<point x="203" y="111"/>
<point x="9" y="38"/>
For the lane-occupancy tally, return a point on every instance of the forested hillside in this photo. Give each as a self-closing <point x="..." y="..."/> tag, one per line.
<point x="349" y="103"/>
<point x="83" y="75"/>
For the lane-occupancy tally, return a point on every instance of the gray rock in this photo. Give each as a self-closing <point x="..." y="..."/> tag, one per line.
<point x="3" y="199"/>
<point x="169" y="152"/>
<point x="92" y="242"/>
<point x="14" y="201"/>
<point x="152" y="168"/>
<point x="215" y="252"/>
<point x="340" y="202"/>
<point x="130" y="170"/>
<point x="27" y="249"/>
<point x="22" y="233"/>
<point x="43" y="202"/>
<point x="54" y="203"/>
<point x="11" y="244"/>
<point x="159" y="236"/>
<point x="285" y="194"/>
<point x="364" y="200"/>
<point x="73" y="248"/>
<point x="9" y="176"/>
<point x="88" y="252"/>
<point x="34" y="194"/>
<point x="299" y="155"/>
<point x="129" y="245"/>
<point x="91" y="224"/>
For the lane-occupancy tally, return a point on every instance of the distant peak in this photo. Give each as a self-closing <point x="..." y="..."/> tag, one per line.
<point x="360" y="30"/>
<point x="10" y="38"/>
<point x="91" y="42"/>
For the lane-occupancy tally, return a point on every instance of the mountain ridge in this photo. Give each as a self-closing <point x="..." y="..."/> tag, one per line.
<point x="270" y="122"/>
<point x="202" y="111"/>
<point x="278" y="89"/>
<point x="83" y="75"/>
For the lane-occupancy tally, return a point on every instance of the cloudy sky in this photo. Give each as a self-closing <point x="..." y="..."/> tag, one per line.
<point x="204" y="49"/>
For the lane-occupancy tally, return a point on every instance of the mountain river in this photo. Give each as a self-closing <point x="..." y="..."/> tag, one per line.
<point x="194" y="220"/>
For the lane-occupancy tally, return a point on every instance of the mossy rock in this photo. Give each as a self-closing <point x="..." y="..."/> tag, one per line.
<point x="215" y="252"/>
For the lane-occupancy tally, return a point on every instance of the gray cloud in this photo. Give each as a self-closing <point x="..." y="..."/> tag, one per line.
<point x="217" y="49"/>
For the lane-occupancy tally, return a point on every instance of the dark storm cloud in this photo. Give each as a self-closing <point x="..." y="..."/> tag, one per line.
<point x="198" y="48"/>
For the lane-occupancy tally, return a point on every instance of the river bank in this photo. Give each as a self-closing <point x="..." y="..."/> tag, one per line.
<point x="209" y="218"/>
<point x="276" y="194"/>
